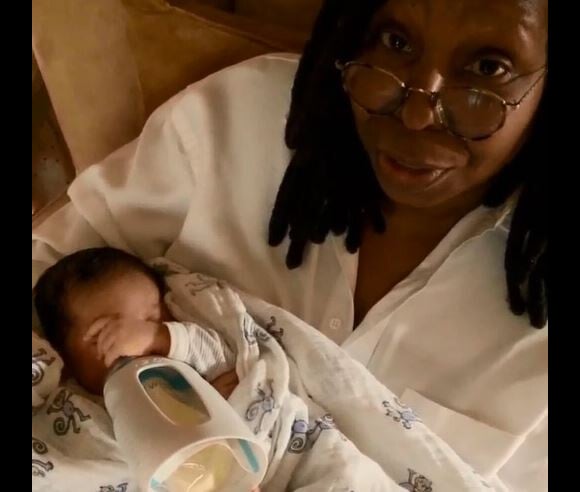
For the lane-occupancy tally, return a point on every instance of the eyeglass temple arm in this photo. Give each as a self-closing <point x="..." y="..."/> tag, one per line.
<point x="530" y="89"/>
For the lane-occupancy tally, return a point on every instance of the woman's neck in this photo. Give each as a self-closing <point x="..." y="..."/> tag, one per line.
<point x="431" y="221"/>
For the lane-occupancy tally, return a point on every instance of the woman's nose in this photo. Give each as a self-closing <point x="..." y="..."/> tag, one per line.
<point x="417" y="112"/>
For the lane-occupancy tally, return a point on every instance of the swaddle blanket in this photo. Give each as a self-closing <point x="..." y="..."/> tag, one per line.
<point x="326" y="422"/>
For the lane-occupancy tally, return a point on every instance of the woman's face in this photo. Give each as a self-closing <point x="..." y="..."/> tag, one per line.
<point x="495" y="45"/>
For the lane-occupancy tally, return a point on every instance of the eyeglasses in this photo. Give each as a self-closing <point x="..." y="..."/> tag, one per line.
<point x="467" y="112"/>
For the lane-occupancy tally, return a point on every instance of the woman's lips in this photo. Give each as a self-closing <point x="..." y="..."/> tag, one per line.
<point x="410" y="174"/>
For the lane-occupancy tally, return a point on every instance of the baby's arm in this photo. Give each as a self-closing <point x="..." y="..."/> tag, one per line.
<point x="202" y="348"/>
<point x="206" y="351"/>
<point x="128" y="337"/>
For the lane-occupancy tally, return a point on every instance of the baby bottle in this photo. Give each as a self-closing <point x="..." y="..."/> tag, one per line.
<point x="177" y="432"/>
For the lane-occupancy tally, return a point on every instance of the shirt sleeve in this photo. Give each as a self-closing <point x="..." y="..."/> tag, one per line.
<point x="136" y="199"/>
<point x="202" y="348"/>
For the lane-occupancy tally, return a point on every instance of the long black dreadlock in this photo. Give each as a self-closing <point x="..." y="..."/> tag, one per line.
<point x="329" y="184"/>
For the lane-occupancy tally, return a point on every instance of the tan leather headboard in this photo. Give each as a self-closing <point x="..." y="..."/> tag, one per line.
<point x="52" y="169"/>
<point x="108" y="63"/>
<point x="296" y="14"/>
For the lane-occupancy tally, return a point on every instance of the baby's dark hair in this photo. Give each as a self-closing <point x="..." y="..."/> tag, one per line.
<point x="76" y="270"/>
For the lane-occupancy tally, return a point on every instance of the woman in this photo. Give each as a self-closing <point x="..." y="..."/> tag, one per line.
<point x="412" y="136"/>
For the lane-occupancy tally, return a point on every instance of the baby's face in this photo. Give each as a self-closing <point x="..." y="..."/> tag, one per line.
<point x="128" y="294"/>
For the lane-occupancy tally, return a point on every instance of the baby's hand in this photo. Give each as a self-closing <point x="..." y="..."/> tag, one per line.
<point x="126" y="337"/>
<point x="226" y="383"/>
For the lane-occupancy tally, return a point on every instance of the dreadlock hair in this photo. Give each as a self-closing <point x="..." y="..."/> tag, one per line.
<point x="329" y="184"/>
<point x="77" y="270"/>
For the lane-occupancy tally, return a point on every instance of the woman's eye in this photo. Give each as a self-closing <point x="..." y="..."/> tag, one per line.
<point x="488" y="67"/>
<point x="395" y="41"/>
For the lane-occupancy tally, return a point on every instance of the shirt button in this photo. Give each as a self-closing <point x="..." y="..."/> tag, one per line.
<point x="335" y="323"/>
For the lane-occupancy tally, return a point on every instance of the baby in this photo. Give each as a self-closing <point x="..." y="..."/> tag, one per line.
<point x="323" y="418"/>
<point x="99" y="304"/>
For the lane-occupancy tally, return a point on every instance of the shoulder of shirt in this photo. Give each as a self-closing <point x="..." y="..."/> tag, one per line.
<point x="269" y="68"/>
<point x="267" y="74"/>
<point x="498" y="219"/>
<point x="490" y="228"/>
<point x="505" y="215"/>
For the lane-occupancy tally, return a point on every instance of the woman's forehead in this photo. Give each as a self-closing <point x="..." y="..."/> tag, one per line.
<point x="530" y="13"/>
<point x="517" y="27"/>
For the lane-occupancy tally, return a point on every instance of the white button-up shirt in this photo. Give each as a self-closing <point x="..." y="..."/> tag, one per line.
<point x="198" y="186"/>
